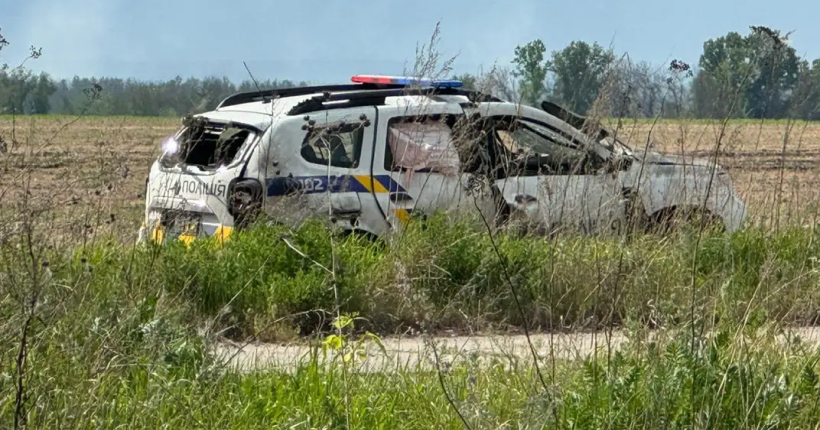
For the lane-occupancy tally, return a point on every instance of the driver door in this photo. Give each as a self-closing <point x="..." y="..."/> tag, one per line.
<point x="549" y="180"/>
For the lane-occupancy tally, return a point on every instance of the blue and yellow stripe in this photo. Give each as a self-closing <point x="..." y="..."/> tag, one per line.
<point x="314" y="184"/>
<point x="403" y="215"/>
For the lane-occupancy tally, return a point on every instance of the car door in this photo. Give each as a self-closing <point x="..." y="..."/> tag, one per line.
<point x="421" y="164"/>
<point x="321" y="166"/>
<point x="551" y="181"/>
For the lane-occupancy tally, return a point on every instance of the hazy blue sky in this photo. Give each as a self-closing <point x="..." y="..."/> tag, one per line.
<point x="328" y="40"/>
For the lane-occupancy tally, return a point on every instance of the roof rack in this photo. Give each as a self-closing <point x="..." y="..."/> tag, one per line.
<point x="270" y="94"/>
<point x="378" y="96"/>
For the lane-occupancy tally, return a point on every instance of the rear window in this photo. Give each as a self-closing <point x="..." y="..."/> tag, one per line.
<point x="206" y="144"/>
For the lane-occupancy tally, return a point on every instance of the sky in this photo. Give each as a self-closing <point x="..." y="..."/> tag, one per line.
<point x="329" y="41"/>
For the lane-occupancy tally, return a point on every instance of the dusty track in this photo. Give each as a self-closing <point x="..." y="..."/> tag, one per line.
<point x="416" y="353"/>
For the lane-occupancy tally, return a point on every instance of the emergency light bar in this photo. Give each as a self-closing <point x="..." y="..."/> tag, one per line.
<point x="404" y="80"/>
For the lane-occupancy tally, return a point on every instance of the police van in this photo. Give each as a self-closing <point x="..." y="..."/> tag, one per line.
<point x="371" y="155"/>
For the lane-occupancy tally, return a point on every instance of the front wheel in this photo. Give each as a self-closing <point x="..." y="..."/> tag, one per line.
<point x="245" y="203"/>
<point x="666" y="221"/>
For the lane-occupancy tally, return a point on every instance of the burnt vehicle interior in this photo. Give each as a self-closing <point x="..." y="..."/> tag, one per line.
<point x="601" y="134"/>
<point x="501" y="147"/>
<point x="524" y="148"/>
<point x="527" y="149"/>
<point x="207" y="144"/>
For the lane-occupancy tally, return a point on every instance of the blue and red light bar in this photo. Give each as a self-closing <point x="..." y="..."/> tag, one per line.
<point x="404" y="80"/>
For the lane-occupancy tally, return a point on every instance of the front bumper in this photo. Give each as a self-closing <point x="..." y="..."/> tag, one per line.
<point x="160" y="234"/>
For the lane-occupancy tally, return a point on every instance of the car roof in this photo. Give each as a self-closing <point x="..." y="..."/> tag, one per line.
<point x="261" y="113"/>
<point x="264" y="107"/>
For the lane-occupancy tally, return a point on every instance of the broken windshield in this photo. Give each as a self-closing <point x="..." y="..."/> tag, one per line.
<point x="206" y="144"/>
<point x="532" y="149"/>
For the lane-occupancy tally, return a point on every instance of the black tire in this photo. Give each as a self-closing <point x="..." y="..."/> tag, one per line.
<point x="675" y="219"/>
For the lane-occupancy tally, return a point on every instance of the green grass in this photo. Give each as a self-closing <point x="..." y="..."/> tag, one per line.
<point x="445" y="275"/>
<point x="116" y="339"/>
<point x="454" y="279"/>
<point x="113" y="374"/>
<point x="649" y="388"/>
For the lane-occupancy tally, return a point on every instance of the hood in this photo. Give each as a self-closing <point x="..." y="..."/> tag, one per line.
<point x="650" y="157"/>
<point x="660" y="159"/>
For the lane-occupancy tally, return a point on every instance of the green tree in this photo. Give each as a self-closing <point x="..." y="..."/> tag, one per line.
<point x="16" y="87"/>
<point x="805" y="100"/>
<point x="748" y="75"/>
<point x="580" y="70"/>
<point x="531" y="68"/>
<point x="42" y="92"/>
<point x="777" y="74"/>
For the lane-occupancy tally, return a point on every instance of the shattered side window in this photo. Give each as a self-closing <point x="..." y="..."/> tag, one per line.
<point x="424" y="144"/>
<point x="528" y="138"/>
<point x="527" y="148"/>
<point x="205" y="144"/>
<point x="336" y="146"/>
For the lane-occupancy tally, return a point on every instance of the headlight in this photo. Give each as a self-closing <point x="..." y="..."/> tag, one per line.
<point x="169" y="151"/>
<point x="170" y="146"/>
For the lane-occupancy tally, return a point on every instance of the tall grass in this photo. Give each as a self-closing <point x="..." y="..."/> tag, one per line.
<point x="115" y="344"/>
<point x="120" y="336"/>
<point x="647" y="387"/>
<point x="447" y="275"/>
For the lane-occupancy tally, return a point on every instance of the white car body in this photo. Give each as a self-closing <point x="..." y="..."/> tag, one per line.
<point x="273" y="168"/>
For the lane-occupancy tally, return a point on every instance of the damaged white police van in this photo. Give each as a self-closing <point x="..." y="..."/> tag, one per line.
<point x="370" y="155"/>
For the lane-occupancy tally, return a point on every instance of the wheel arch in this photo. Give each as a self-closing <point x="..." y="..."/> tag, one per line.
<point x="665" y="217"/>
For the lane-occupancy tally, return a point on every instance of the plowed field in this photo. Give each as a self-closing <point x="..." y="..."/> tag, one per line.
<point x="94" y="167"/>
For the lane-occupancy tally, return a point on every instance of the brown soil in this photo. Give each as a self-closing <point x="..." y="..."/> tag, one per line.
<point x="94" y="168"/>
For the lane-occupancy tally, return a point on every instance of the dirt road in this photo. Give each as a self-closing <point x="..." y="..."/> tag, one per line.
<point x="416" y="353"/>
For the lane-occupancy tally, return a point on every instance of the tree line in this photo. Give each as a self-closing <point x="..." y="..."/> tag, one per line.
<point x="23" y="92"/>
<point x="752" y="75"/>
